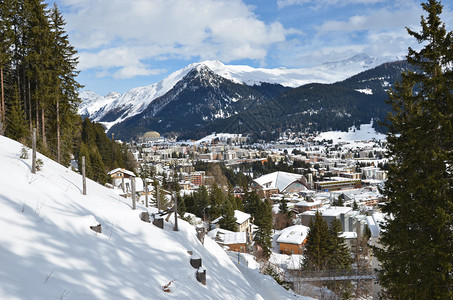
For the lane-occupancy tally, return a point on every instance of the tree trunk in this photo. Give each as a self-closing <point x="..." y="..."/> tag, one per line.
<point x="43" y="124"/>
<point x="29" y="105"/>
<point x="58" y="131"/>
<point x="2" y="106"/>
<point x="37" y="115"/>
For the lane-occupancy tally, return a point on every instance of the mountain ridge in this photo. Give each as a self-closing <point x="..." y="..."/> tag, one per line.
<point x="137" y="99"/>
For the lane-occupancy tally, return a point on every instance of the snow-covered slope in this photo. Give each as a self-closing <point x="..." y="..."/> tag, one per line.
<point x="136" y="100"/>
<point x="366" y="132"/>
<point x="92" y="102"/>
<point x="48" y="251"/>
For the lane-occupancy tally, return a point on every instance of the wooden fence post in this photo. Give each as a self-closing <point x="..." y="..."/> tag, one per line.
<point x="175" y="228"/>
<point x="146" y="192"/>
<point x="133" y="192"/>
<point x="157" y="197"/>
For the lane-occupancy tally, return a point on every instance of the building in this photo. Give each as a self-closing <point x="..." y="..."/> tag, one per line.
<point x="338" y="183"/>
<point x="234" y="241"/>
<point x="342" y="213"/>
<point x="281" y="183"/>
<point x="150" y="136"/>
<point x="120" y="173"/>
<point x="292" y="239"/>
<point x="242" y="222"/>
<point x="303" y="206"/>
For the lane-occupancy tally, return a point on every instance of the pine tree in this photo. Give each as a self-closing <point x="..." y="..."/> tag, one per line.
<point x="201" y="199"/>
<point x="228" y="220"/>
<point x="216" y="200"/>
<point x="263" y="219"/>
<point x="339" y="254"/>
<point x="64" y="102"/>
<point x="6" y="41"/>
<point x="16" y="122"/>
<point x="317" y="246"/>
<point x="417" y="241"/>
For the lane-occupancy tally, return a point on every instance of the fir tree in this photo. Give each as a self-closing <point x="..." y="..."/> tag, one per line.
<point x="216" y="200"/>
<point x="228" y="220"/>
<point x="201" y="199"/>
<point x="16" y="122"/>
<point x="317" y="246"/>
<point x="263" y="219"/>
<point x="339" y="255"/>
<point x="417" y="241"/>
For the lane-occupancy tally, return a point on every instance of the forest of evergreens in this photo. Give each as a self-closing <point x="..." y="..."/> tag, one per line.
<point x="39" y="89"/>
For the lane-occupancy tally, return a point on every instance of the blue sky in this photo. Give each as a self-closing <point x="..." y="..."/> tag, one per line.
<point x="124" y="44"/>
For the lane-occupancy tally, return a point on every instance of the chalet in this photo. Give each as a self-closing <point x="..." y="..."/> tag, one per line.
<point x="234" y="241"/>
<point x="292" y="239"/>
<point x="119" y="173"/>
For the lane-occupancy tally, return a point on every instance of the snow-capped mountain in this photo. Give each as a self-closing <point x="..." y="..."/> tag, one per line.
<point x="92" y="102"/>
<point x="113" y="109"/>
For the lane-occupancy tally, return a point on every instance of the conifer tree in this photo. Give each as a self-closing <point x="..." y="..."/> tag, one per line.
<point x="263" y="219"/>
<point x="201" y="199"/>
<point x="339" y="254"/>
<point x="216" y="199"/>
<point x="317" y="246"/>
<point x="228" y="220"/>
<point x="6" y="41"/>
<point x="416" y="255"/>
<point x="65" y="89"/>
<point x="16" y="121"/>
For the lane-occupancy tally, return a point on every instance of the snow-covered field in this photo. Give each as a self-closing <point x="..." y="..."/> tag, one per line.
<point x="48" y="251"/>
<point x="366" y="132"/>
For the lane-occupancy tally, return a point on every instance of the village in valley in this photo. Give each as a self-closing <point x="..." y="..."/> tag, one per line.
<point x="336" y="174"/>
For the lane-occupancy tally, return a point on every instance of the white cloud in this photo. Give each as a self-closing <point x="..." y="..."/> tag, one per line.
<point x="125" y="34"/>
<point x="383" y="19"/>
<point x="322" y="3"/>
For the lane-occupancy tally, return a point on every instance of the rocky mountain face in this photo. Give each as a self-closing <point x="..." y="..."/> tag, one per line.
<point x="210" y="96"/>
<point x="198" y="99"/>
<point x="319" y="107"/>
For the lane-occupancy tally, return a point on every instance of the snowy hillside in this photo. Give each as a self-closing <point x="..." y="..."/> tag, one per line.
<point x="48" y="251"/>
<point x="137" y="100"/>
<point x="366" y="132"/>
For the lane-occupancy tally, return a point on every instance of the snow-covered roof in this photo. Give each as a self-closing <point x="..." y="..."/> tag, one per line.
<point x="241" y="217"/>
<point x="227" y="237"/>
<point x="332" y="211"/>
<point x="349" y="235"/>
<point x="308" y="203"/>
<point x="127" y="172"/>
<point x="279" y="180"/>
<point x="295" y="234"/>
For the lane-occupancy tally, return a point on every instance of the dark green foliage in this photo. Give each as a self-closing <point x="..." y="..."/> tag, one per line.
<point x="104" y="154"/>
<point x="16" y="121"/>
<point x="317" y="246"/>
<point x="216" y="200"/>
<point x="416" y="254"/>
<point x="234" y="179"/>
<point x="263" y="219"/>
<point x="36" y="56"/>
<point x="339" y="256"/>
<point x="283" y="207"/>
<point x="228" y="220"/>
